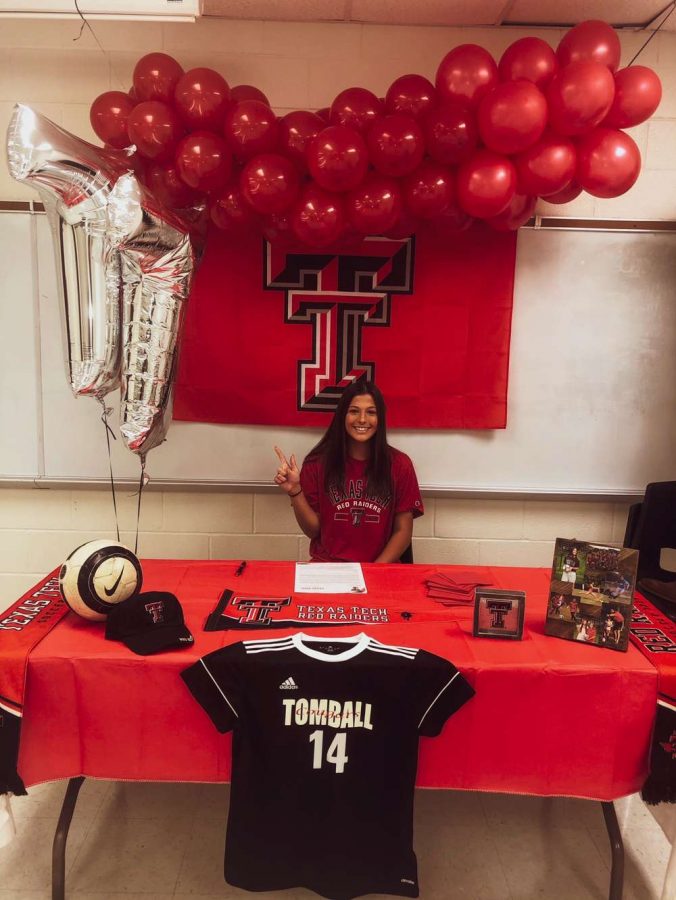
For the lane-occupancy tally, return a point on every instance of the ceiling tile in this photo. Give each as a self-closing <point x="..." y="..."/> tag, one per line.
<point x="428" y="12"/>
<point x="617" y="12"/>
<point x="280" y="10"/>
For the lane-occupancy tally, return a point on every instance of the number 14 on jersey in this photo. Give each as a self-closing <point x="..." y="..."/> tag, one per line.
<point x="336" y="753"/>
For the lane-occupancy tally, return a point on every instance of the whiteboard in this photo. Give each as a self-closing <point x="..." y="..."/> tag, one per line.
<point x="592" y="383"/>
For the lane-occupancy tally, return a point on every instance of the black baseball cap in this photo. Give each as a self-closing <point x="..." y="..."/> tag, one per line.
<point x="149" y="623"/>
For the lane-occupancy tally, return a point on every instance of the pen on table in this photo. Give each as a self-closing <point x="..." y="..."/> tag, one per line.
<point x="240" y="568"/>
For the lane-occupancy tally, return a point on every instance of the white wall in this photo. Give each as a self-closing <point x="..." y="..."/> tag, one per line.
<point x="48" y="67"/>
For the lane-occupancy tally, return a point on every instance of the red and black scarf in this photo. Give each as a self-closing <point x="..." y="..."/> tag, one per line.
<point x="655" y="636"/>
<point x="22" y="627"/>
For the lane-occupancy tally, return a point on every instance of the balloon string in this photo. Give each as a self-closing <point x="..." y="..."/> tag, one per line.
<point x="106" y="411"/>
<point x="642" y="48"/>
<point x="143" y="481"/>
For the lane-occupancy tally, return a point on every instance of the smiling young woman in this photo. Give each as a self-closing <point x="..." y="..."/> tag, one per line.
<point x="355" y="496"/>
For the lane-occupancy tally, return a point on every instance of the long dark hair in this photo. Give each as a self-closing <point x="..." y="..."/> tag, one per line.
<point x="332" y="448"/>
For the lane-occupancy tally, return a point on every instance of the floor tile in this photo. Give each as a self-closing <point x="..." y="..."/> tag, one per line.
<point x="513" y="811"/>
<point x="26" y="863"/>
<point x="130" y="855"/>
<point x="25" y="895"/>
<point x="646" y="849"/>
<point x="202" y="869"/>
<point x="159" y="841"/>
<point x="151" y="800"/>
<point x="455" y="848"/>
<point x="212" y="801"/>
<point x="556" y="864"/>
<point x="125" y="895"/>
<point x="44" y="801"/>
<point x="455" y="807"/>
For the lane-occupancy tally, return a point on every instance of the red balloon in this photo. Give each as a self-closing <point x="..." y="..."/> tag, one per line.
<point x="638" y="92"/>
<point x="165" y="182"/>
<point x="412" y="95"/>
<point x="530" y="58"/>
<point x="486" y="184"/>
<point x="318" y="218"/>
<point x="466" y="74"/>
<point x="452" y="221"/>
<point x="204" y="161"/>
<point x="546" y="167"/>
<point x="269" y="183"/>
<point x="403" y="228"/>
<point x="512" y="117"/>
<point x="137" y="164"/>
<point x="375" y="205"/>
<point x="277" y="227"/>
<point x="156" y="76"/>
<point x="590" y="41"/>
<point x="230" y="211"/>
<point x="296" y="130"/>
<point x="608" y="162"/>
<point x="396" y="145"/>
<point x="247" y="92"/>
<point x="251" y="128"/>
<point x="568" y="193"/>
<point x="519" y="211"/>
<point x="451" y="133"/>
<point x="325" y="114"/>
<point x="355" y="108"/>
<point x="202" y="97"/>
<point x="429" y="190"/>
<point x="579" y="97"/>
<point x="155" y="129"/>
<point x="108" y="116"/>
<point x="337" y="158"/>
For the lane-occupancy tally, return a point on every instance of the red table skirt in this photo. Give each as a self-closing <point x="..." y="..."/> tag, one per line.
<point x="550" y="717"/>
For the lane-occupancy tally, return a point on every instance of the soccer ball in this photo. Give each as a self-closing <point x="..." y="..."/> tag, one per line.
<point x="98" y="575"/>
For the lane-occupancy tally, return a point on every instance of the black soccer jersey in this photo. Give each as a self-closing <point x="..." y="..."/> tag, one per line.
<point x="325" y="751"/>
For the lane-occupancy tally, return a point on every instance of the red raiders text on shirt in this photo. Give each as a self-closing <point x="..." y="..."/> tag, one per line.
<point x="274" y="334"/>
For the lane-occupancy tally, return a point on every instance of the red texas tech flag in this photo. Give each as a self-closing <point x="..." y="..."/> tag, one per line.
<point x="273" y="335"/>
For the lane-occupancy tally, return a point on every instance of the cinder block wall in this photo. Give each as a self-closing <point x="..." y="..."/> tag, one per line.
<point x="39" y="528"/>
<point x="46" y="65"/>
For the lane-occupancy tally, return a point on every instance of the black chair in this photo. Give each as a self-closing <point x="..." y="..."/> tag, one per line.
<point x="651" y="526"/>
<point x="407" y="555"/>
<point x="632" y="523"/>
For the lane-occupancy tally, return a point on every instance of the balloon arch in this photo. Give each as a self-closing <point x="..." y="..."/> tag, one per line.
<point x="483" y="142"/>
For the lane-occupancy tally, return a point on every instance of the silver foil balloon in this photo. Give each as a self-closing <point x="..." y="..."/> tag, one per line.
<point x="74" y="180"/>
<point x="157" y="264"/>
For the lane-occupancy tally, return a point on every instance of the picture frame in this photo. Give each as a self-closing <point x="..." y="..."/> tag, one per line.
<point x="591" y="593"/>
<point x="499" y="614"/>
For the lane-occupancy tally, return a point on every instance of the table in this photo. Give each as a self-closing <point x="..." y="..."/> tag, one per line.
<point x="550" y="717"/>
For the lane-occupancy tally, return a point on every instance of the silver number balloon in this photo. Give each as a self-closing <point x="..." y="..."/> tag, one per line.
<point x="74" y="180"/>
<point x="157" y="264"/>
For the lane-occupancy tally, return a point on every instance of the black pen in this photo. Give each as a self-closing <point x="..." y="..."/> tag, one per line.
<point x="240" y="568"/>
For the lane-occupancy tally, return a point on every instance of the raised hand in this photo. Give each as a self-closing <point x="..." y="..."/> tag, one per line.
<point x="288" y="473"/>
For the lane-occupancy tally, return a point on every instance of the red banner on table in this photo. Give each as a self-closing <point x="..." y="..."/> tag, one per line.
<point x="273" y="335"/>
<point x="22" y="627"/>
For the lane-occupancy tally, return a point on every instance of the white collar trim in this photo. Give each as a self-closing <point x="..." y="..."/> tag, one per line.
<point x="358" y="643"/>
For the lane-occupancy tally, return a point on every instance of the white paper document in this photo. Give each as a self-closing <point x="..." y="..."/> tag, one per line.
<point x="329" y="578"/>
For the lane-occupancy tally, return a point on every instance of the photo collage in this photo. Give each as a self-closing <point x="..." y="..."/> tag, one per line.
<point x="591" y="593"/>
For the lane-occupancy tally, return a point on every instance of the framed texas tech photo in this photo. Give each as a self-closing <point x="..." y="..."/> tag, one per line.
<point x="499" y="613"/>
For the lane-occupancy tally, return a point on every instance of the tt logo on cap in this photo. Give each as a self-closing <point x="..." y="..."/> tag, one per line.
<point x="156" y="609"/>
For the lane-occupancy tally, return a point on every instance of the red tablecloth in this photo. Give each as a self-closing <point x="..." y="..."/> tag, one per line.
<point x="550" y="717"/>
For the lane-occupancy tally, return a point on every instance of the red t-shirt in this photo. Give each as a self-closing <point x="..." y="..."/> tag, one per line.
<point x="355" y="526"/>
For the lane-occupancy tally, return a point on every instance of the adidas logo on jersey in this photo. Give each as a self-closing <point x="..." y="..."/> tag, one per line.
<point x="288" y="685"/>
